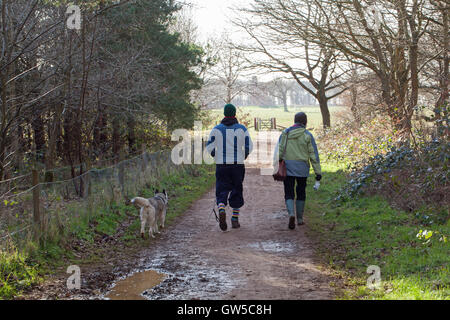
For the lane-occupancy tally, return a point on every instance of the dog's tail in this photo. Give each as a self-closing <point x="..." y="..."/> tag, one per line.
<point x="140" y="202"/>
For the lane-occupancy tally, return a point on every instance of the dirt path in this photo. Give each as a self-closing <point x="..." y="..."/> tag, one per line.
<point x="196" y="260"/>
<point x="262" y="260"/>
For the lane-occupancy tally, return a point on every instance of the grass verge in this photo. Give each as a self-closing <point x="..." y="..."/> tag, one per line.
<point x="366" y="231"/>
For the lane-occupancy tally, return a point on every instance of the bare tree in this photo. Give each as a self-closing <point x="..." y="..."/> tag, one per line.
<point x="69" y="97"/>
<point x="279" y="36"/>
<point x="23" y="82"/>
<point x="383" y="36"/>
<point x="435" y="75"/>
<point x="229" y="69"/>
<point x="184" y="24"/>
<point x="280" y="89"/>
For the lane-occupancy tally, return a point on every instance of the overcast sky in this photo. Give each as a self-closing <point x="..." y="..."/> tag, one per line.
<point x="213" y="16"/>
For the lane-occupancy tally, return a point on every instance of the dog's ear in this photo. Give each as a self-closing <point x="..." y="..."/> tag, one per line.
<point x="164" y="191"/>
<point x="156" y="191"/>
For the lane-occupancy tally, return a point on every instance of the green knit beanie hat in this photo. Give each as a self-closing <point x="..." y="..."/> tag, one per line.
<point x="230" y="110"/>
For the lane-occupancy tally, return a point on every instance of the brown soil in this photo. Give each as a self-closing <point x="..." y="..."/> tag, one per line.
<point x="261" y="260"/>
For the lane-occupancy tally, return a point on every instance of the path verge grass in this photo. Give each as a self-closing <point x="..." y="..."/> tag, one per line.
<point x="366" y="231"/>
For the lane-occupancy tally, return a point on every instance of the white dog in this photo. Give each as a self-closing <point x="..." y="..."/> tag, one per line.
<point x="152" y="212"/>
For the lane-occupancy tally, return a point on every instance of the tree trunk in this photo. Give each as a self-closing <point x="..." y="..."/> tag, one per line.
<point x="131" y="134"/>
<point x="20" y="149"/>
<point x="116" y="139"/>
<point x="54" y="135"/>
<point x="324" y="110"/>
<point x="39" y="137"/>
<point x="443" y="81"/>
<point x="285" y="104"/>
<point x="100" y="132"/>
<point x="354" y="107"/>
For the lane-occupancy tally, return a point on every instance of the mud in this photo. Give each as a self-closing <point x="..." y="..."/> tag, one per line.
<point x="261" y="260"/>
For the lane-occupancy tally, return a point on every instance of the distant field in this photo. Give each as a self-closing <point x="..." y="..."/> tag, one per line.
<point x="284" y="119"/>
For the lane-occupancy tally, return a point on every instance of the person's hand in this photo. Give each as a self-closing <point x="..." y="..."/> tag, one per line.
<point x="317" y="186"/>
<point x="318" y="177"/>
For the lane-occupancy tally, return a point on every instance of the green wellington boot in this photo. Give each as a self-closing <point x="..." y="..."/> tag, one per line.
<point x="290" y="209"/>
<point x="300" y="208"/>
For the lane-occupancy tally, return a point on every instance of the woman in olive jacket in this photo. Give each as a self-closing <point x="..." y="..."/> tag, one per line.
<point x="301" y="151"/>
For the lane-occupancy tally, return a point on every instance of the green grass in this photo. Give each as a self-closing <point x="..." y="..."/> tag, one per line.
<point x="284" y="119"/>
<point x="367" y="231"/>
<point x="16" y="273"/>
<point x="21" y="269"/>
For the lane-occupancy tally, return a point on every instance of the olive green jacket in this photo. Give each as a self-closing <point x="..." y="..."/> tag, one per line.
<point x="300" y="153"/>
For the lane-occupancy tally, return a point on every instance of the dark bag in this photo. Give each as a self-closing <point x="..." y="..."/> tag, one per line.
<point x="281" y="174"/>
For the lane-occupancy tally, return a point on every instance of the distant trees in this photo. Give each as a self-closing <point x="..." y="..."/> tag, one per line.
<point x="382" y="36"/>
<point x="279" y="43"/>
<point x="403" y="43"/>
<point x="119" y="83"/>
<point x="270" y="93"/>
<point x="280" y="89"/>
<point x="228" y="69"/>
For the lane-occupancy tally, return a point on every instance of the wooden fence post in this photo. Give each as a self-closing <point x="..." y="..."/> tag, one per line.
<point x="36" y="203"/>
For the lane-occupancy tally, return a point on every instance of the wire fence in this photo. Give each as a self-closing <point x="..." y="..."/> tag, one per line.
<point x="44" y="209"/>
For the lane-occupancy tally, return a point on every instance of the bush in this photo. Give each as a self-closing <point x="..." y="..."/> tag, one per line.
<point x="16" y="273"/>
<point x="413" y="176"/>
<point x="350" y="144"/>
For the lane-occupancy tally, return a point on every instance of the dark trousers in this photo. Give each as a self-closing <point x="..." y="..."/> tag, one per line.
<point x="229" y="180"/>
<point x="289" y="185"/>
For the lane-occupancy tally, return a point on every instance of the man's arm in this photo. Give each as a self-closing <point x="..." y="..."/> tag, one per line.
<point x="248" y="144"/>
<point x="211" y="145"/>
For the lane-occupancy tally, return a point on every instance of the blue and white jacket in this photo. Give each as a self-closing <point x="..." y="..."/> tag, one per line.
<point x="229" y="142"/>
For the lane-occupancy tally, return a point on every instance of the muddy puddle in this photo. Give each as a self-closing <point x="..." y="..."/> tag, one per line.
<point x="273" y="246"/>
<point x="132" y="287"/>
<point x="190" y="276"/>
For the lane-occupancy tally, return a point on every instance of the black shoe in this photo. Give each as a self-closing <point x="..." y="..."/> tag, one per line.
<point x="223" y="220"/>
<point x="292" y="223"/>
<point x="235" y="223"/>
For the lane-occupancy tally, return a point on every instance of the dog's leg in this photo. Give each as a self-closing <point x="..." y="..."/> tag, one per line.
<point x="150" y="233"/>
<point x="156" y="224"/>
<point x="164" y="219"/>
<point x="143" y="221"/>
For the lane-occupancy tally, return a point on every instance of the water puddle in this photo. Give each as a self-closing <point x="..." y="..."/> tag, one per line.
<point x="132" y="287"/>
<point x="273" y="246"/>
<point x="280" y="215"/>
<point x="190" y="276"/>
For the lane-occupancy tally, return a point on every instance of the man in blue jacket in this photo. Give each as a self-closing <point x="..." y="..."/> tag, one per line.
<point x="230" y="144"/>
